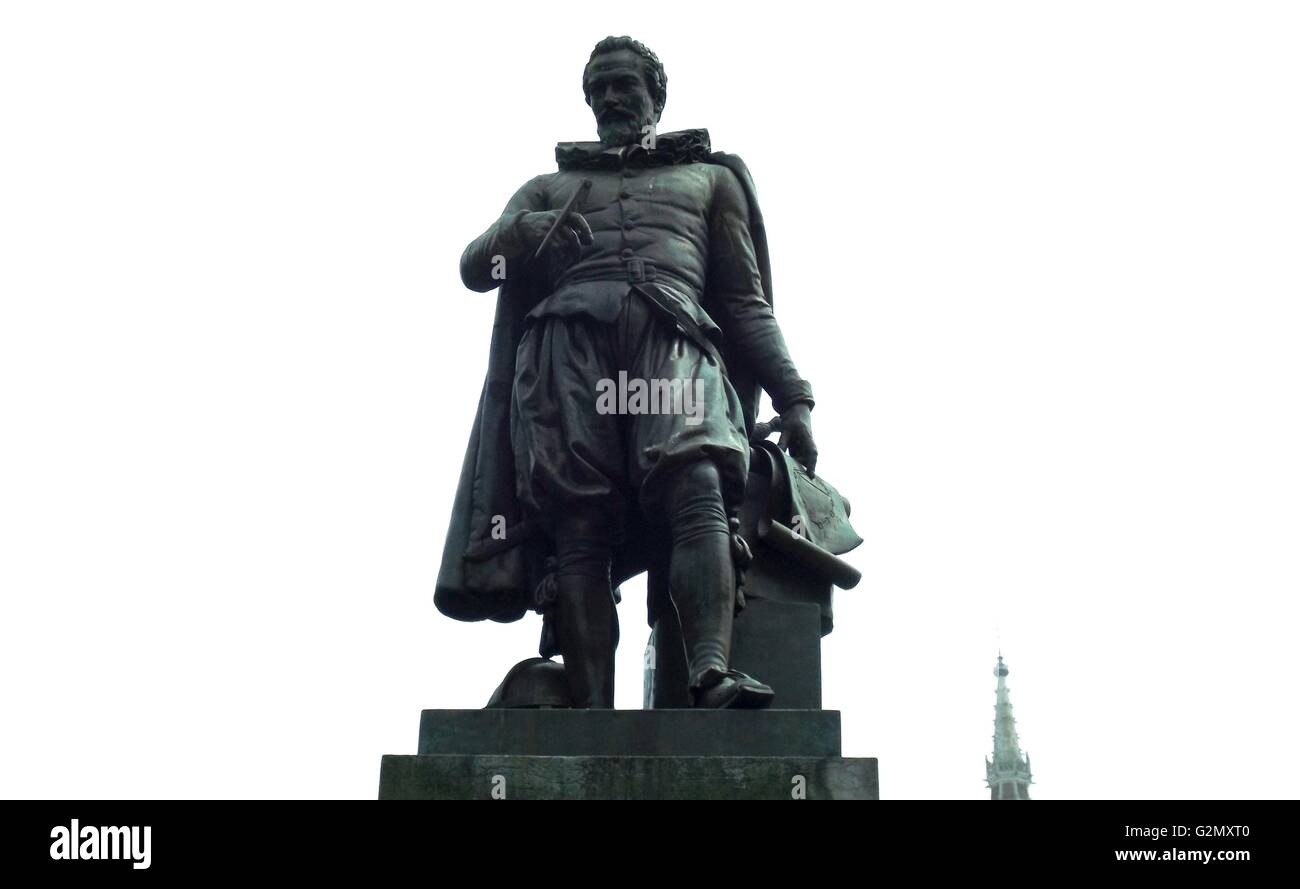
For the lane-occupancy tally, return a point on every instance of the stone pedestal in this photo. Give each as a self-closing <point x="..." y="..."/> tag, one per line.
<point x="777" y="642"/>
<point x="628" y="754"/>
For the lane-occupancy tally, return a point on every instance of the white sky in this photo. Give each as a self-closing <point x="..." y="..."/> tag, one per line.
<point x="1039" y="261"/>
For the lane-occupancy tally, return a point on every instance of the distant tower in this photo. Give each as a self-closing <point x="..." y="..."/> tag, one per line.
<point x="1008" y="770"/>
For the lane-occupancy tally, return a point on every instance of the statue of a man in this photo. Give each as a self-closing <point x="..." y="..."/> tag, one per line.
<point x="634" y="327"/>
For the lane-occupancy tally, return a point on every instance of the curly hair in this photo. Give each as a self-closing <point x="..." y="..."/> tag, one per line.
<point x="653" y="69"/>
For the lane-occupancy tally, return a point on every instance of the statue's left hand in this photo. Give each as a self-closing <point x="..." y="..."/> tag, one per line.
<point x="797" y="437"/>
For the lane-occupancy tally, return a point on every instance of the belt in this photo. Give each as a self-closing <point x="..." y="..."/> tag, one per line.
<point x="639" y="270"/>
<point x="636" y="270"/>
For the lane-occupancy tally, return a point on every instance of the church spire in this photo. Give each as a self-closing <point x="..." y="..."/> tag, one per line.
<point x="1008" y="770"/>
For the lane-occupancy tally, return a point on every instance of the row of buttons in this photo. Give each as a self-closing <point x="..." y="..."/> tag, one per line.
<point x="637" y="270"/>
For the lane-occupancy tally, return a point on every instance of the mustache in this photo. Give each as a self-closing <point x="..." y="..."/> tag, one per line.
<point x="612" y="114"/>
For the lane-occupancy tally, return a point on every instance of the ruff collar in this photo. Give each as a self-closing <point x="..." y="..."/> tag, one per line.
<point x="678" y="147"/>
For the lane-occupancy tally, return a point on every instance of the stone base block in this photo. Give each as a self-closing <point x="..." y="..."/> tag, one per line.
<point x="452" y="776"/>
<point x="808" y="733"/>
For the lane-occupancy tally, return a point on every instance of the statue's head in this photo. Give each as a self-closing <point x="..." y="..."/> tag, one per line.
<point x="626" y="87"/>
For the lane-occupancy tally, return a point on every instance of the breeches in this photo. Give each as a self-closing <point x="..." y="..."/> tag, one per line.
<point x="605" y="414"/>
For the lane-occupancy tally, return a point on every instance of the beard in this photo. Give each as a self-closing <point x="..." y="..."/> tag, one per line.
<point x="619" y="130"/>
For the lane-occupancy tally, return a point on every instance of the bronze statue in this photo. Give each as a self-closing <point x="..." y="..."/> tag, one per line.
<point x="633" y="331"/>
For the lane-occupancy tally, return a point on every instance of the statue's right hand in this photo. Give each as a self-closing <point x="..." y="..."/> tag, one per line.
<point x="568" y="240"/>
